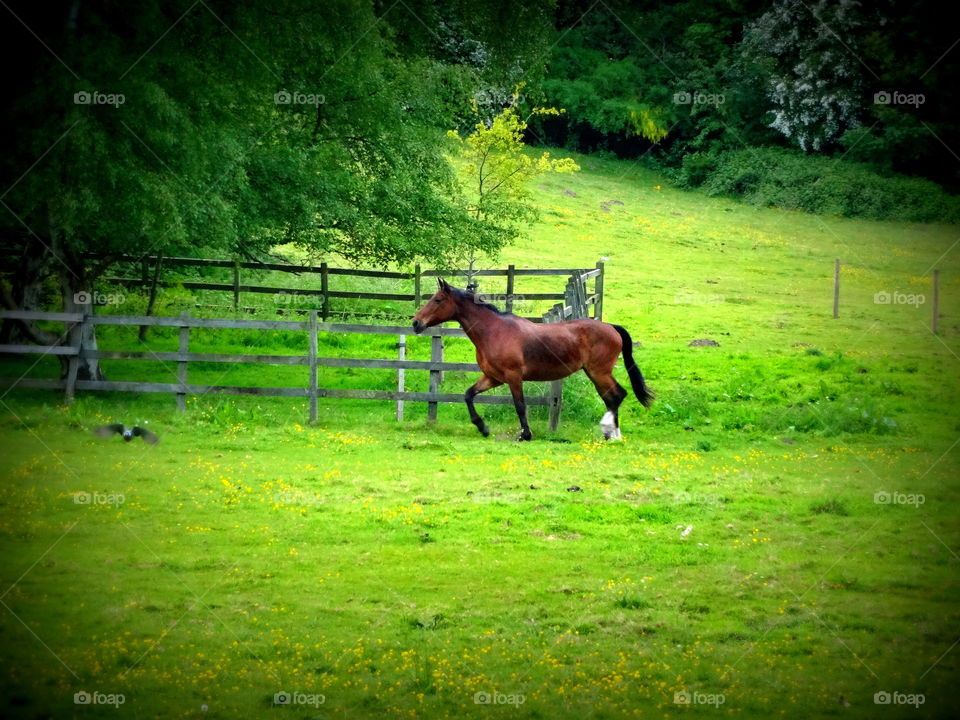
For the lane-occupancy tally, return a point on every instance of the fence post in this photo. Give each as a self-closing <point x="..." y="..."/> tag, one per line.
<point x="76" y="336"/>
<point x="511" y="269"/>
<point x="598" y="291"/>
<point x="836" y="288"/>
<point x="556" y="386"/>
<point x="324" y="289"/>
<point x="936" y="301"/>
<point x="583" y="310"/>
<point x="236" y="284"/>
<point x="313" y="366"/>
<point x="416" y="290"/>
<point x="569" y="298"/>
<point x="182" y="364"/>
<point x="401" y="373"/>
<point x="436" y="355"/>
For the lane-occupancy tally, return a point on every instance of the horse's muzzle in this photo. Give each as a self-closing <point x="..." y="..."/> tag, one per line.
<point x="418" y="326"/>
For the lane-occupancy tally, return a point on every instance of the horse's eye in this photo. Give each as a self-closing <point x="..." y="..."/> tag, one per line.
<point x="437" y="300"/>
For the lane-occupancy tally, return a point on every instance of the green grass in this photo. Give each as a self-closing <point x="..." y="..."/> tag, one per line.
<point x="735" y="543"/>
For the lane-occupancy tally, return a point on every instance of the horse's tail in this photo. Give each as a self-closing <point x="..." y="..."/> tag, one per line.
<point x="640" y="388"/>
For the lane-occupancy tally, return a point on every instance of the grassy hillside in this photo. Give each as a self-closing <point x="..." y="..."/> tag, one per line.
<point x="778" y="533"/>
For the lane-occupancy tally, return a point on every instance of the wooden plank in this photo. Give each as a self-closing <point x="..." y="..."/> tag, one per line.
<point x="543" y="296"/>
<point x="196" y="357"/>
<point x="39" y="349"/>
<point x="32" y="383"/>
<point x="213" y="323"/>
<point x="73" y="364"/>
<point x="236" y="285"/>
<point x="175" y="388"/>
<point x="556" y="403"/>
<point x="378" y="364"/>
<point x="325" y="291"/>
<point x="183" y="365"/>
<point x="501" y="273"/>
<point x="598" y="290"/>
<point x="416" y="288"/>
<point x="426" y="397"/>
<point x="401" y="372"/>
<point x="404" y="297"/>
<point x="312" y="384"/>
<point x="335" y="362"/>
<point x="511" y="276"/>
<point x="39" y="315"/>
<point x="436" y="356"/>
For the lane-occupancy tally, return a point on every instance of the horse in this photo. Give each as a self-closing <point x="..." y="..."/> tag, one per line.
<point x="511" y="349"/>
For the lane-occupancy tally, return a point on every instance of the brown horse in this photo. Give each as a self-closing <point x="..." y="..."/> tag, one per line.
<point x="511" y="349"/>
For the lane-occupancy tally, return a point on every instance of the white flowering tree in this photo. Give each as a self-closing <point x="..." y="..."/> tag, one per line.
<point x="814" y="77"/>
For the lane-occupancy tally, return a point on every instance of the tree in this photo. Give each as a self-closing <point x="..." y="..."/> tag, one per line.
<point x="495" y="170"/>
<point x="815" y="79"/>
<point x="220" y="128"/>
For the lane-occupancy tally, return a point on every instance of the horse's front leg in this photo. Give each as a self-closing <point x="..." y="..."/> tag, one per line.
<point x="483" y="384"/>
<point x="516" y="389"/>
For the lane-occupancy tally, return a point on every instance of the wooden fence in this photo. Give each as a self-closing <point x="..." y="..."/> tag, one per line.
<point x="310" y="390"/>
<point x="149" y="271"/>
<point x="577" y="303"/>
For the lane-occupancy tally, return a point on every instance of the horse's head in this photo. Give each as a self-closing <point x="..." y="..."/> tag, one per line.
<point x="439" y="309"/>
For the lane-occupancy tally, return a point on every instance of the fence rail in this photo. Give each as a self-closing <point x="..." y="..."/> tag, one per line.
<point x="435" y="367"/>
<point x="149" y="277"/>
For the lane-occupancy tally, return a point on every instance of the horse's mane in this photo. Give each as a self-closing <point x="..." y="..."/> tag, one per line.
<point x="469" y="296"/>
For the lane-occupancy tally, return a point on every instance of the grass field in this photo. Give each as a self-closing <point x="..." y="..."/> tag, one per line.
<point x="776" y="537"/>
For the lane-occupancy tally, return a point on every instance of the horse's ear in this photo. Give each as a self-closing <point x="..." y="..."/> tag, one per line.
<point x="443" y="284"/>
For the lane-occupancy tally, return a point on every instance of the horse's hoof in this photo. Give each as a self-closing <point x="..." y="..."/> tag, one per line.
<point x="485" y="431"/>
<point x="525" y="436"/>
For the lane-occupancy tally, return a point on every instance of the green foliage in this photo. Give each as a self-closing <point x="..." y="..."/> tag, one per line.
<point x="495" y="172"/>
<point x="788" y="179"/>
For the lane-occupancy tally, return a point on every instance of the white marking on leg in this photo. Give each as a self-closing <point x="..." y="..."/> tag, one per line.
<point x="617" y="435"/>
<point x="607" y="425"/>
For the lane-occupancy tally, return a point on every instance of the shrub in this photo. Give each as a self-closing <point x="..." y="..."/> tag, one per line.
<point x="789" y="179"/>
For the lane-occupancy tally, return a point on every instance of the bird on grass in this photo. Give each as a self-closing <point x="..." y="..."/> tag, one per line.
<point x="126" y="433"/>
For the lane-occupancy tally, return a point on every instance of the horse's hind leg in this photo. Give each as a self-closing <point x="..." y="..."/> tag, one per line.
<point x="484" y="383"/>
<point x="516" y="389"/>
<point x="612" y="394"/>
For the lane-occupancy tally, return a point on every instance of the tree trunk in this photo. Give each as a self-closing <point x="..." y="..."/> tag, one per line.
<point x="77" y="289"/>
<point x="153" y="296"/>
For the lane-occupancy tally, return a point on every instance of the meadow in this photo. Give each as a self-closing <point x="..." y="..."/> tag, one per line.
<point x="776" y="536"/>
